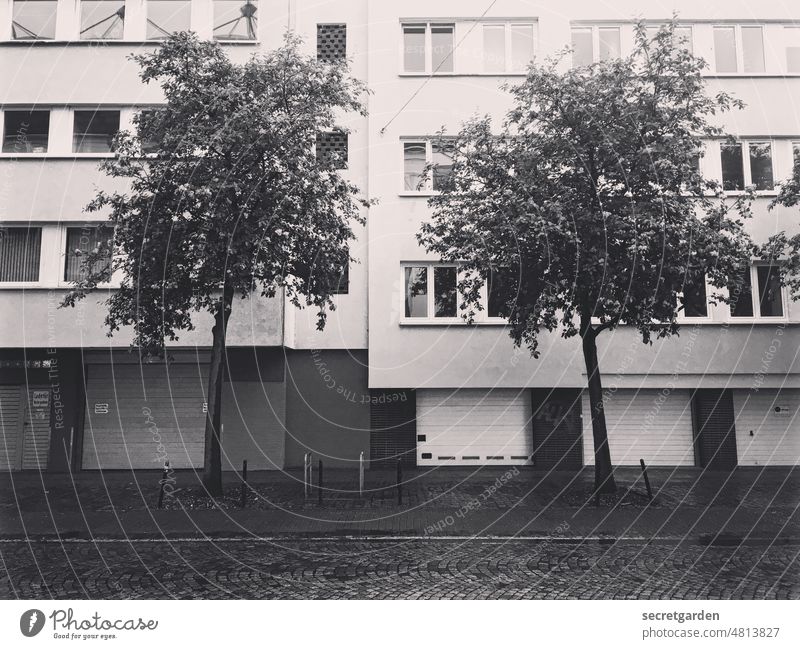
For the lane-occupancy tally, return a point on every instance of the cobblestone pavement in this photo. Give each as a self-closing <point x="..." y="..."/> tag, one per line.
<point x="409" y="569"/>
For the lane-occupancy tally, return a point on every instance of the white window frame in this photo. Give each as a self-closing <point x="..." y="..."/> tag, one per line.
<point x="26" y="154"/>
<point x="43" y="252"/>
<point x="595" y="29"/>
<point x="507" y="34"/>
<point x="739" y="42"/>
<point x="427" y="24"/>
<point x="754" y="293"/>
<point x="125" y="26"/>
<point x="682" y="317"/>
<point x="744" y="143"/>
<point x="427" y="186"/>
<point x="787" y="29"/>
<point x="62" y="266"/>
<point x="481" y="317"/>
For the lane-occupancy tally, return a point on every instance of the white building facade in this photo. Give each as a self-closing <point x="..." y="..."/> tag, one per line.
<point x="394" y="376"/>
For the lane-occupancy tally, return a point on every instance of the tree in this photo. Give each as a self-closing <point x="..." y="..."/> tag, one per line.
<point x="225" y="198"/>
<point x="587" y="210"/>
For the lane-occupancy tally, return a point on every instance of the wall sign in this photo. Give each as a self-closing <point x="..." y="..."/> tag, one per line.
<point x="40" y="399"/>
<point x="101" y="408"/>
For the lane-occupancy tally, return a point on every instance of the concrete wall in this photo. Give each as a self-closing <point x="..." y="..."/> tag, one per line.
<point x="327" y="407"/>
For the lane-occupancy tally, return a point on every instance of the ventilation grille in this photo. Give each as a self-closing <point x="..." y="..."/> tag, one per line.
<point x="332" y="149"/>
<point x="331" y="42"/>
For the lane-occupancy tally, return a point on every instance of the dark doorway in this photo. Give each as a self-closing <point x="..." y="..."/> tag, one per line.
<point x="557" y="434"/>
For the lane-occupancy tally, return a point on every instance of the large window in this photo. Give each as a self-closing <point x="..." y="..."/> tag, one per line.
<point x="739" y="48"/>
<point x="428" y="47"/>
<point x="431" y="291"/>
<point x="26" y="131"/>
<point x="694" y="299"/>
<point x="165" y="17"/>
<point x="681" y="37"/>
<point x="745" y="164"/>
<point x="94" y="131"/>
<point x="792" y="36"/>
<point x="507" y="47"/>
<point x="82" y="242"/>
<point x="33" y="19"/>
<point x="417" y="155"/>
<point x="236" y="20"/>
<point x="765" y="301"/>
<point x="590" y="44"/>
<point x="102" y="19"/>
<point x="20" y="251"/>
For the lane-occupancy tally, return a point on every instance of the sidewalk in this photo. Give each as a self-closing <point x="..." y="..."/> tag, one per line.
<point x="749" y="505"/>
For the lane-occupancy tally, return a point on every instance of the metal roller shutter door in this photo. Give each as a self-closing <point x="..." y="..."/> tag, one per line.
<point x="11" y="417"/>
<point x="654" y="425"/>
<point x="474" y="427"/>
<point x="132" y="409"/>
<point x="774" y="419"/>
<point x="36" y="431"/>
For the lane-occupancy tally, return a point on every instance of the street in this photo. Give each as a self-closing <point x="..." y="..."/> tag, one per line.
<point x="293" y="568"/>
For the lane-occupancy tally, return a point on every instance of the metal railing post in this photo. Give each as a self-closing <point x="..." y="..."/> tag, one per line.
<point x="361" y="474"/>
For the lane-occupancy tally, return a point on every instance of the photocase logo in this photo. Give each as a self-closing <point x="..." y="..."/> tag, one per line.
<point x="31" y="622"/>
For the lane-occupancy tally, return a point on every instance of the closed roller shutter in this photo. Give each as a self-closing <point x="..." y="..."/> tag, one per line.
<point x="392" y="427"/>
<point x="715" y="429"/>
<point x="11" y="417"/>
<point x="773" y="418"/>
<point x="36" y="431"/>
<point x="653" y="425"/>
<point x="474" y="427"/>
<point x="138" y="416"/>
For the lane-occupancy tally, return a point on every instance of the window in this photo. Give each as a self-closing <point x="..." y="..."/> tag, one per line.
<point x="591" y="44"/>
<point x="445" y="301"/>
<point x="332" y="149"/>
<point x="442" y="159"/>
<point x="792" y="35"/>
<point x="582" y="48"/>
<point x="417" y="155"/>
<point x="81" y="242"/>
<point x="414" y="161"/>
<point x="102" y="19"/>
<point x="681" y="37"/>
<point x="609" y="46"/>
<point x="20" y="251"/>
<point x="497" y="281"/>
<point x="331" y="42"/>
<point x="165" y="17"/>
<point x="343" y="286"/>
<point x="94" y="131"/>
<point x="494" y="48"/>
<point x="26" y="131"/>
<point x="694" y="299"/>
<point x="727" y="56"/>
<point x="758" y="172"/>
<point x="415" y="48"/>
<point x="416" y="290"/>
<point x="235" y="20"/>
<point x="770" y="292"/>
<point x="507" y="47"/>
<point x="768" y="300"/>
<point x="795" y="153"/>
<point x="33" y="19"/>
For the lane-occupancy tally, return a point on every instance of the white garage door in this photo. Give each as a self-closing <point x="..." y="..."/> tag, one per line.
<point x="773" y="418"/>
<point x="139" y="416"/>
<point x="653" y="425"/>
<point x="474" y="427"/>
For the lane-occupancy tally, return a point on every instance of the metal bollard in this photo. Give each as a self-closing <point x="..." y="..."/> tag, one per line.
<point x="646" y="480"/>
<point x="319" y="484"/>
<point x="164" y="476"/>
<point x="361" y="474"/>
<point x="399" y="483"/>
<point x="244" y="484"/>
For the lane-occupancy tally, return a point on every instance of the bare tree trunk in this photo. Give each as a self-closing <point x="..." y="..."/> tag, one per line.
<point x="212" y="467"/>
<point x="603" y="471"/>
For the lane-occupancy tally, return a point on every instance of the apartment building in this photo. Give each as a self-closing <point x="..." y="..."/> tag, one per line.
<point x="396" y="374"/>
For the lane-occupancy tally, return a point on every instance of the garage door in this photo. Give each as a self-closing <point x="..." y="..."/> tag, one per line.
<point x="24" y="427"/>
<point x="474" y="427"/>
<point x="654" y="425"/>
<point x="772" y="418"/>
<point x="139" y="416"/>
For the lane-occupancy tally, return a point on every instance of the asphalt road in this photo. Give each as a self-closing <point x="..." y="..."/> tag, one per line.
<point x="395" y="568"/>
